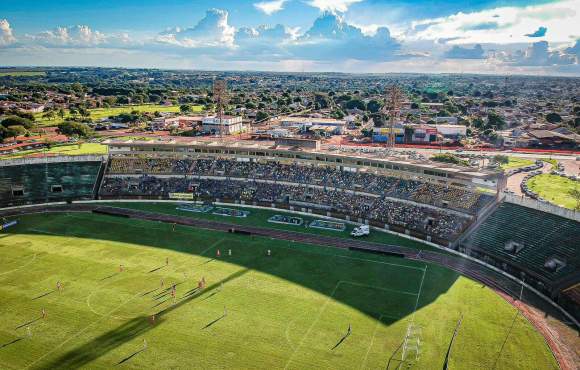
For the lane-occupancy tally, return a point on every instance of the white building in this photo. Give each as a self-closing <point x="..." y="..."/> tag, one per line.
<point x="304" y="123"/>
<point x="449" y="120"/>
<point x="229" y="125"/>
<point x="453" y="131"/>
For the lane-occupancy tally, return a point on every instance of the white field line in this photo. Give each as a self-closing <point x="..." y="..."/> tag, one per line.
<point x="379" y="322"/>
<point x="351" y="258"/>
<point x="418" y="295"/>
<point x="82" y="331"/>
<point x="215" y="244"/>
<point x="376" y="287"/>
<point x="320" y="311"/>
<point x="364" y="362"/>
<point x="21" y="267"/>
<point x="331" y="297"/>
<point x="287" y="334"/>
<point x="312" y="252"/>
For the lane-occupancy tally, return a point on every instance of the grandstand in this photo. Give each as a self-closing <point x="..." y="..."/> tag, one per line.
<point x="433" y="202"/>
<point x="46" y="180"/>
<point x="541" y="248"/>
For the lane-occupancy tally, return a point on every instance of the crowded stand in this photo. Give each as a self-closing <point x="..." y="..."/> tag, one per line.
<point x="381" y="210"/>
<point x="462" y="200"/>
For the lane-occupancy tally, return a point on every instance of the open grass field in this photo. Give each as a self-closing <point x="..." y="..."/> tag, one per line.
<point x="555" y="189"/>
<point x="72" y="149"/>
<point x="290" y="310"/>
<point x="100" y="113"/>
<point x="516" y="162"/>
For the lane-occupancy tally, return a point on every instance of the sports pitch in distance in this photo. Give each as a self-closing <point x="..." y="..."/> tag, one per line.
<point x="291" y="310"/>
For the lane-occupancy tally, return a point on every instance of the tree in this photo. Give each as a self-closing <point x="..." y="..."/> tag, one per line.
<point x="500" y="159"/>
<point x="338" y="114"/>
<point x="185" y="108"/>
<point x="85" y="113"/>
<point x="355" y="103"/>
<point x="449" y="158"/>
<point x="553" y="117"/>
<point x="3" y="133"/>
<point x="495" y="121"/>
<point x="321" y="101"/>
<point x="50" y="114"/>
<point x="16" y="130"/>
<point x="70" y="128"/>
<point x="575" y="193"/>
<point x="374" y="106"/>
<point x="477" y="123"/>
<point x="260" y="116"/>
<point x="17" y="121"/>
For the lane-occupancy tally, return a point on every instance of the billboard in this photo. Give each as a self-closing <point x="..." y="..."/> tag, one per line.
<point x="8" y="224"/>
<point x="181" y="196"/>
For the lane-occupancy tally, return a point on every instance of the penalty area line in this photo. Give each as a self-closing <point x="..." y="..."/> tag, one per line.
<point x="81" y="331"/>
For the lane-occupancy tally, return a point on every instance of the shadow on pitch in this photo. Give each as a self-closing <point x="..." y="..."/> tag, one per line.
<point x="130" y="357"/>
<point x="157" y="269"/>
<point x="110" y="276"/>
<point x="340" y="341"/>
<point x="44" y="294"/>
<point x="213" y="322"/>
<point x="128" y="331"/>
<point x="11" y="342"/>
<point x="28" y="323"/>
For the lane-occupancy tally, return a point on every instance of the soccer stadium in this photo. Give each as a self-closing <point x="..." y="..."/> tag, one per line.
<point x="203" y="254"/>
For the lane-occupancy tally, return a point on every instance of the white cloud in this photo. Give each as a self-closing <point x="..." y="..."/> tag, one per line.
<point x="540" y="54"/>
<point x="79" y="35"/>
<point x="6" y="36"/>
<point x="332" y="5"/>
<point x="211" y="31"/>
<point x="270" y="7"/>
<point x="506" y="25"/>
<point x="458" y="52"/>
<point x="332" y="38"/>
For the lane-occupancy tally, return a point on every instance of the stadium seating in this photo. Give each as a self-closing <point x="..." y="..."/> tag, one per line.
<point x="533" y="241"/>
<point x="35" y="183"/>
<point x="463" y="200"/>
<point x="381" y="210"/>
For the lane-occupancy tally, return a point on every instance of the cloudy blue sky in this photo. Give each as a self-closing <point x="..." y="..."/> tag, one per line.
<point x="482" y="36"/>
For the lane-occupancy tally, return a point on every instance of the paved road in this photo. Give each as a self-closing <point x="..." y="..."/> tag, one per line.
<point x="514" y="181"/>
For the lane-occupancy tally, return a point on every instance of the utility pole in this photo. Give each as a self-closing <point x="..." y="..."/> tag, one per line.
<point x="220" y="99"/>
<point x="392" y="109"/>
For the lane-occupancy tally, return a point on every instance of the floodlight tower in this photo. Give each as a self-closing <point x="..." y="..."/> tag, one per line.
<point x="220" y="99"/>
<point x="392" y="110"/>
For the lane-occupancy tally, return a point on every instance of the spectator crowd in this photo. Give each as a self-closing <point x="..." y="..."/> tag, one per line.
<point x="463" y="200"/>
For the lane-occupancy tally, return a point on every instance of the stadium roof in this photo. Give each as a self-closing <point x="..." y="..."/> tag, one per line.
<point x="369" y="153"/>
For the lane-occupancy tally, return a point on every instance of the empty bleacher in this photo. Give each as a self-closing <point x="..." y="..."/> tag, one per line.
<point x="538" y="243"/>
<point x="47" y="182"/>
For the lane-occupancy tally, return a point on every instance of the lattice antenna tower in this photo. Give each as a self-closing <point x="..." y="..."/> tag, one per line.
<point x="220" y="98"/>
<point x="392" y="110"/>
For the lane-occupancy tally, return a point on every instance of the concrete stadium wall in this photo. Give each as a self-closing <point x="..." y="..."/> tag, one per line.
<point x="55" y="159"/>
<point x="543" y="206"/>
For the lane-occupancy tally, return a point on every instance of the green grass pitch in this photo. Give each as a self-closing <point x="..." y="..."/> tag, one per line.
<point x="289" y="310"/>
